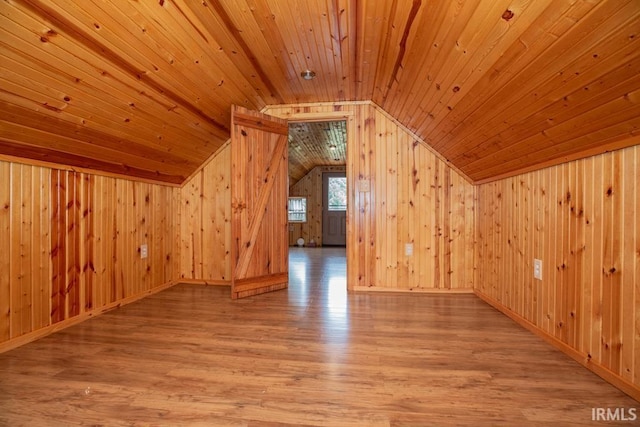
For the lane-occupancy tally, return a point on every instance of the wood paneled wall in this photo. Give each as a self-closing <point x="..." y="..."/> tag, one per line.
<point x="310" y="186"/>
<point x="582" y="220"/>
<point x="205" y="222"/>
<point x="70" y="244"/>
<point x="399" y="192"/>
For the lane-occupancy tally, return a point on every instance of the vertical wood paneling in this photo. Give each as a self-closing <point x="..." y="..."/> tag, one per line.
<point x="629" y="225"/>
<point x="70" y="244"/>
<point x="586" y="234"/>
<point x="6" y="232"/>
<point x="399" y="193"/>
<point x="87" y="233"/>
<point x="205" y="227"/>
<point x="24" y="247"/>
<point x="391" y="202"/>
<point x="58" y="254"/>
<point x="42" y="262"/>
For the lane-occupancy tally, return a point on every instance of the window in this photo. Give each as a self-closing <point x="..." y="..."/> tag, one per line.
<point x="297" y="209"/>
<point x="337" y="193"/>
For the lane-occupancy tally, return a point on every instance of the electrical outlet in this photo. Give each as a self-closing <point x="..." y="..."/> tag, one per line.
<point x="408" y="249"/>
<point x="537" y="269"/>
<point x="144" y="251"/>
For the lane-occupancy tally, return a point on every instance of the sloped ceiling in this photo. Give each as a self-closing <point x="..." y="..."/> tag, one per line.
<point x="144" y="87"/>
<point x="315" y="144"/>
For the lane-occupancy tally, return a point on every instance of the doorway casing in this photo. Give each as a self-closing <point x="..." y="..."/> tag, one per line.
<point x="349" y="118"/>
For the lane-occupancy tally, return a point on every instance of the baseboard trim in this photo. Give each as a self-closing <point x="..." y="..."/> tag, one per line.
<point x="580" y="357"/>
<point x="204" y="282"/>
<point x="413" y="290"/>
<point x="48" y="330"/>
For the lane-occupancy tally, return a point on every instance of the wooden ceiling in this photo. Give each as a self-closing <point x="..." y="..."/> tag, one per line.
<point x="315" y="144"/>
<point x="144" y="87"/>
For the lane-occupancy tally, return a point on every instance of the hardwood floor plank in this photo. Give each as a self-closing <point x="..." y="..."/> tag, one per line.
<point x="309" y="355"/>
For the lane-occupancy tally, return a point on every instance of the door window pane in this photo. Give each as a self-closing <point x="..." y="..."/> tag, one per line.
<point x="337" y="193"/>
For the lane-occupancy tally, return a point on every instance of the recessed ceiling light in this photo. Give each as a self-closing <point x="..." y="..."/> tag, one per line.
<point x="308" y="74"/>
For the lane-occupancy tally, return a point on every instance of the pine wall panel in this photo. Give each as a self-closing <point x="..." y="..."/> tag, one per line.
<point x="205" y="222"/>
<point x="399" y="192"/>
<point x="70" y="243"/>
<point x="581" y="219"/>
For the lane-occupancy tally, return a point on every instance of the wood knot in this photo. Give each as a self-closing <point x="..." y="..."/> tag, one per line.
<point x="610" y="191"/>
<point x="507" y="15"/>
<point x="456" y="89"/>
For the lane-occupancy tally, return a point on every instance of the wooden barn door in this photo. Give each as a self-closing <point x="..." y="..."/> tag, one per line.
<point x="259" y="196"/>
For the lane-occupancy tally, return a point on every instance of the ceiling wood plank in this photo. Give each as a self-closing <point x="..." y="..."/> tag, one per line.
<point x="487" y="84"/>
<point x="60" y="21"/>
<point x="441" y="22"/>
<point x="482" y="41"/>
<point x="581" y="101"/>
<point x="544" y="69"/>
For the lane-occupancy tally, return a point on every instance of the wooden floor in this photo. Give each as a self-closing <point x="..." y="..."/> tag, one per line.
<point x="310" y="355"/>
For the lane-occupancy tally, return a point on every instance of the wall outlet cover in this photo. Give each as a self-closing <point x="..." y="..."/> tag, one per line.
<point x="408" y="249"/>
<point x="537" y="269"/>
